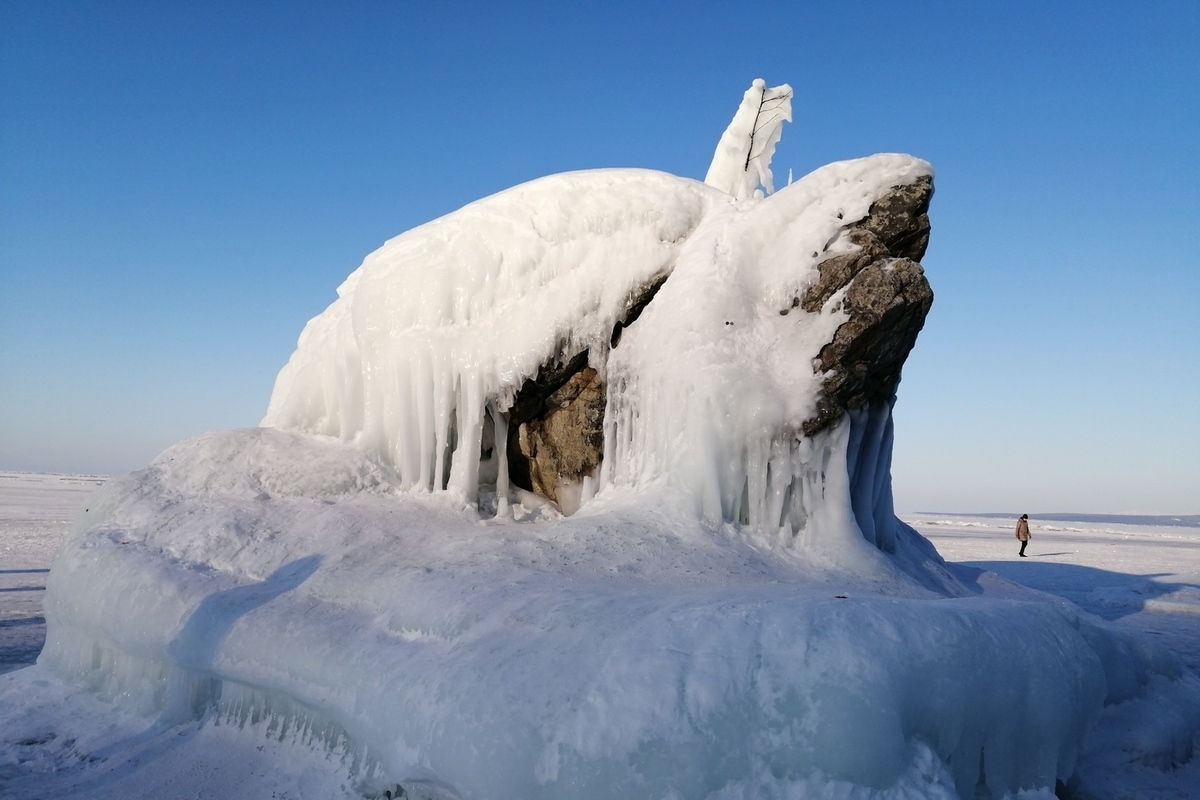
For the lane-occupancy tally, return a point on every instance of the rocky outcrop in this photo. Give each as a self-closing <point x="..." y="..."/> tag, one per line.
<point x="556" y="421"/>
<point x="900" y="219"/>
<point x="565" y="444"/>
<point x="886" y="297"/>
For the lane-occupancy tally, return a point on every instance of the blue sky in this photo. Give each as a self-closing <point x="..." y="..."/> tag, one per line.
<point x="182" y="186"/>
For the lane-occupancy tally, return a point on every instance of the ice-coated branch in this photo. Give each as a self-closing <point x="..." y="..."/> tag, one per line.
<point x="742" y="161"/>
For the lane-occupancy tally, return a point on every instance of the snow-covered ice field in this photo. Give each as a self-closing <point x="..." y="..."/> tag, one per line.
<point x="35" y="514"/>
<point x="1146" y="577"/>
<point x="57" y="740"/>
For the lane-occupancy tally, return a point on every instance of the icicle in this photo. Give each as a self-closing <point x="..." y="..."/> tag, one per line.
<point x="425" y="390"/>
<point x="500" y="426"/>
<point x="757" y="475"/>
<point x="885" y="513"/>
<point x="469" y="409"/>
<point x="588" y="491"/>
<point x="444" y="386"/>
<point x="779" y="479"/>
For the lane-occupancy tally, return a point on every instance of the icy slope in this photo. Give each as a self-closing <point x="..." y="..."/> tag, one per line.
<point x="618" y="653"/>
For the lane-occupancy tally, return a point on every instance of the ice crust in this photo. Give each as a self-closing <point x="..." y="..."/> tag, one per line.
<point x="622" y="652"/>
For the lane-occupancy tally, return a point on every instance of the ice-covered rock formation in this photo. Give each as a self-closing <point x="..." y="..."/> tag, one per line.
<point x="722" y="339"/>
<point x="705" y="374"/>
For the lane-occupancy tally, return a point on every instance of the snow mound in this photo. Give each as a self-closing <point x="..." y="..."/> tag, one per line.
<point x="257" y="463"/>
<point x="620" y="653"/>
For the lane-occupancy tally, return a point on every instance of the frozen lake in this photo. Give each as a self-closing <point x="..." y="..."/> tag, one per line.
<point x="35" y="514"/>
<point x="1146" y="577"/>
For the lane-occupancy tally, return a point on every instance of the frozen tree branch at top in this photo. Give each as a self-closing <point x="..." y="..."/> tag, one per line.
<point x="742" y="162"/>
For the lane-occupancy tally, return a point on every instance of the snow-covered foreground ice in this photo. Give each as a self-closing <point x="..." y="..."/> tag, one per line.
<point x="1144" y="578"/>
<point x="377" y="638"/>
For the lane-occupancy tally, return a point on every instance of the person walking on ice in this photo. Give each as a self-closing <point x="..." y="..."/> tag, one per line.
<point x="1023" y="533"/>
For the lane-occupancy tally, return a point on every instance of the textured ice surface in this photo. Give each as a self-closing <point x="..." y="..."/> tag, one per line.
<point x="618" y="653"/>
<point x="707" y="391"/>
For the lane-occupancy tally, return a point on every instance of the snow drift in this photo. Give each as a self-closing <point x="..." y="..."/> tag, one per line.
<point x="621" y="652"/>
<point x="731" y="612"/>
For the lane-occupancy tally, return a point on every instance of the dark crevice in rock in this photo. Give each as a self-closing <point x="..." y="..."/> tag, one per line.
<point x="637" y="304"/>
<point x="531" y="403"/>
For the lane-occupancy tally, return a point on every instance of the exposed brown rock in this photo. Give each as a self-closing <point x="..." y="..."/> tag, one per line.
<point x="900" y="219"/>
<point x="836" y="272"/>
<point x="887" y="302"/>
<point x="555" y="423"/>
<point x="566" y="443"/>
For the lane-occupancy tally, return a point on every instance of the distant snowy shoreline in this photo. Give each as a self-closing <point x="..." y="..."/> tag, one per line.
<point x="74" y="477"/>
<point x="1159" y="520"/>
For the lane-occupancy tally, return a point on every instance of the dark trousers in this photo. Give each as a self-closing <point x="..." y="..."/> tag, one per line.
<point x="1023" y="543"/>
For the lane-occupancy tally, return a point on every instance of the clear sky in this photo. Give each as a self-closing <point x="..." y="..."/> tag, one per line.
<point x="183" y="185"/>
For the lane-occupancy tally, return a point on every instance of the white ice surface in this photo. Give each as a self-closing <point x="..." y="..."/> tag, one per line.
<point x="619" y="653"/>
